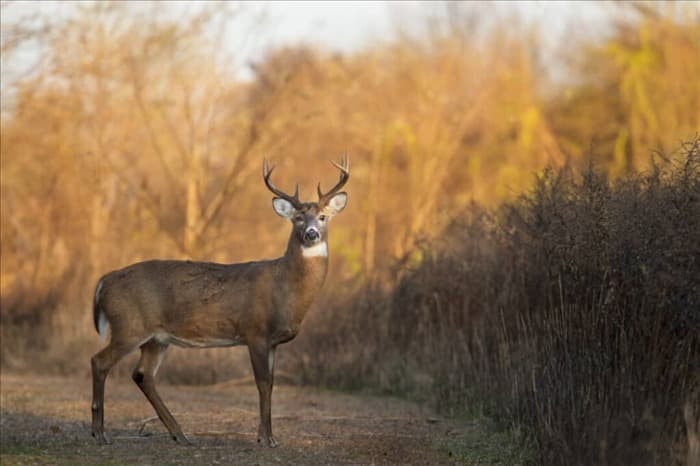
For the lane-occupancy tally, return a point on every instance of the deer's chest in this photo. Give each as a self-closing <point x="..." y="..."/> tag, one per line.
<point x="290" y="309"/>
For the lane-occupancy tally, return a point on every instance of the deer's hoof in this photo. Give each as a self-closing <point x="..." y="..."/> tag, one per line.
<point x="182" y="439"/>
<point x="102" y="438"/>
<point x="268" y="441"/>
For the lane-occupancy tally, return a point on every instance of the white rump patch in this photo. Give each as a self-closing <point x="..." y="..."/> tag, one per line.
<point x="317" y="250"/>
<point x="102" y="325"/>
<point x="101" y="318"/>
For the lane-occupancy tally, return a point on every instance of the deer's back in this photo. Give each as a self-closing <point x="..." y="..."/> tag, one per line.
<point x="194" y="302"/>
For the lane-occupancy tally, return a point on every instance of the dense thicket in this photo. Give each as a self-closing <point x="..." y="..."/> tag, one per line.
<point x="574" y="311"/>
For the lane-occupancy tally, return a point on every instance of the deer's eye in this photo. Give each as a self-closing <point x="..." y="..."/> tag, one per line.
<point x="298" y="219"/>
<point x="322" y="218"/>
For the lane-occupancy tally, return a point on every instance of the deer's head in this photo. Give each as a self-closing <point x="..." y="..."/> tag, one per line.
<point x="310" y="219"/>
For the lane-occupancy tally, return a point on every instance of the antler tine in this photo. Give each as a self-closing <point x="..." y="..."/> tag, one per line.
<point x="267" y="171"/>
<point x="344" y="168"/>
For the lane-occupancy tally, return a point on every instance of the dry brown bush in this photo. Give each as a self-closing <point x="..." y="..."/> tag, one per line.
<point x="574" y="312"/>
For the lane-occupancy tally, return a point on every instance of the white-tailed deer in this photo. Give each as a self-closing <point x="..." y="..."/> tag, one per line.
<point x="153" y="304"/>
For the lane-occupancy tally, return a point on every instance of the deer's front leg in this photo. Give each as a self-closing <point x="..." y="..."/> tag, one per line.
<point x="262" y="355"/>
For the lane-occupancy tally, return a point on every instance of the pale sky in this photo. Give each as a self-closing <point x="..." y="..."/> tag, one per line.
<point x="342" y="26"/>
<point x="350" y="25"/>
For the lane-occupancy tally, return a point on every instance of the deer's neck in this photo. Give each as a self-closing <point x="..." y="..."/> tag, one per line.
<point x="307" y="263"/>
<point x="307" y="268"/>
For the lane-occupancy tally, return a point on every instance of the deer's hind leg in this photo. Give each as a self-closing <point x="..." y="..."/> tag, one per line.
<point x="152" y="354"/>
<point x="101" y="363"/>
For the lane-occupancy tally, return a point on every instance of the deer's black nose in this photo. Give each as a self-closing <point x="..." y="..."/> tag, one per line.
<point x="311" y="234"/>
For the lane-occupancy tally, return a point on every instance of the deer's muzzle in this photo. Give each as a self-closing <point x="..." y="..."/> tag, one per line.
<point x="311" y="235"/>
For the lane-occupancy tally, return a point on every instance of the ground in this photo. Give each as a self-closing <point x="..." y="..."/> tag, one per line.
<point x="45" y="420"/>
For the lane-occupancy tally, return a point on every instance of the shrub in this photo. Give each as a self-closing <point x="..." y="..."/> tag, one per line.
<point x="574" y="312"/>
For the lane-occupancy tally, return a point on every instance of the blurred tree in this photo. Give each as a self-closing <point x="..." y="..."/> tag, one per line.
<point x="133" y="138"/>
<point x="636" y="94"/>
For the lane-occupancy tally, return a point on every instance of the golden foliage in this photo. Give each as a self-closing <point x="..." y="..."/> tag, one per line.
<point x="134" y="140"/>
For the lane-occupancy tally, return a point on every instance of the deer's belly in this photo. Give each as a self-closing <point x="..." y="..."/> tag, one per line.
<point x="196" y="341"/>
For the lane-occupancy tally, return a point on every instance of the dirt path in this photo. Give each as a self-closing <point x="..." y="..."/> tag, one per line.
<point x="45" y="420"/>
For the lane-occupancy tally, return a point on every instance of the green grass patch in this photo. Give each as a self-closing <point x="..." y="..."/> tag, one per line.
<point x="479" y="442"/>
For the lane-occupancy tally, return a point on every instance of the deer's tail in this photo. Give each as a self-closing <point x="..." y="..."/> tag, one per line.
<point x="98" y="313"/>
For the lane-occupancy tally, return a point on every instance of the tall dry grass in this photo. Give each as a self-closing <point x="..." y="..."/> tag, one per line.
<point x="573" y="312"/>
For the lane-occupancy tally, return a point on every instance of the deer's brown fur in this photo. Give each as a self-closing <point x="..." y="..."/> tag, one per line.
<point x="153" y="304"/>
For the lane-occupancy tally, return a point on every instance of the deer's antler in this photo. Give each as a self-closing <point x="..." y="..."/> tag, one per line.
<point x="344" y="168"/>
<point x="294" y="200"/>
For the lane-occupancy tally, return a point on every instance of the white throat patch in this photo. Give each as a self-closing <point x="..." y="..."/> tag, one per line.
<point x="317" y="250"/>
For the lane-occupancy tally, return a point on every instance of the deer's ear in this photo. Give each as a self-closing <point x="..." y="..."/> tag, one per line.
<point x="283" y="207"/>
<point x="337" y="203"/>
